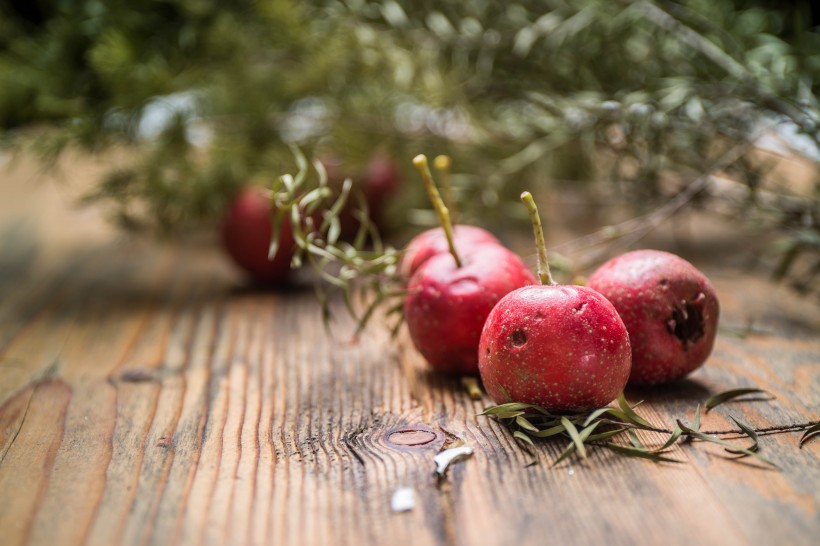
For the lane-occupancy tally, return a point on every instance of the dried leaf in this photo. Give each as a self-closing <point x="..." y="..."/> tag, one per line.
<point x="630" y="413"/>
<point x="546" y="433"/>
<point x="513" y="406"/>
<point x="809" y="434"/>
<point x="522" y="422"/>
<point x="724" y="443"/>
<point x="606" y="435"/>
<point x="718" y="399"/>
<point x="573" y="445"/>
<point x="569" y="450"/>
<point x="751" y="433"/>
<point x="576" y="438"/>
<point x="672" y="439"/>
<point x="523" y="437"/>
<point x="595" y="414"/>
<point x="640" y="453"/>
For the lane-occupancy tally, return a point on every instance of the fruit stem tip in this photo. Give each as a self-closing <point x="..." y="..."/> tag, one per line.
<point x="544" y="273"/>
<point x="442" y="163"/>
<point x="420" y="162"/>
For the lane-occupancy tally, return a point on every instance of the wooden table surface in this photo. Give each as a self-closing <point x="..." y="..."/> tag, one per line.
<point x="146" y="397"/>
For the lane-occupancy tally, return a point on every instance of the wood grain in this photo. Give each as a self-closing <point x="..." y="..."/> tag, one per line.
<point x="148" y="397"/>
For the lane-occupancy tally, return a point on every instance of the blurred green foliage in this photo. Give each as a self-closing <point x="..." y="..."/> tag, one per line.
<point x="206" y="95"/>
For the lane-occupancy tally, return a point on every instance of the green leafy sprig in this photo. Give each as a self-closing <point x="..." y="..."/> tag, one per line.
<point x="601" y="427"/>
<point x="364" y="270"/>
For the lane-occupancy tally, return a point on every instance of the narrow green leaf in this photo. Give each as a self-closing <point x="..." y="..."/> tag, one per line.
<point x="587" y="432"/>
<point x="508" y="414"/>
<point x="506" y="394"/>
<point x="583" y="436"/>
<point x="523" y="437"/>
<point x="288" y="182"/>
<point x="546" y="433"/>
<point x="334" y="231"/>
<point x="619" y="415"/>
<point x="595" y="414"/>
<point x="696" y="423"/>
<point x="316" y="195"/>
<point x="569" y="450"/>
<point x="722" y="397"/>
<point x="507" y="407"/>
<point x="338" y="205"/>
<point x="750" y="432"/>
<point x="301" y="165"/>
<point x="672" y="439"/>
<point x="809" y="434"/>
<point x="277" y="217"/>
<point x="630" y="413"/>
<point x="640" y="453"/>
<point x="633" y="438"/>
<point x="606" y="435"/>
<point x="522" y="422"/>
<point x="724" y="443"/>
<point x="576" y="438"/>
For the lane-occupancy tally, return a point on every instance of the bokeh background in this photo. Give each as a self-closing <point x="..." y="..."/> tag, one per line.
<point x="620" y="116"/>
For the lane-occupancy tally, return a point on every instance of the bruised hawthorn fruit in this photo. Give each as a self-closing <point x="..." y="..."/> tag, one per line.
<point x="246" y="233"/>
<point x="561" y="347"/>
<point x="670" y="310"/>
<point x="434" y="241"/>
<point x="447" y="305"/>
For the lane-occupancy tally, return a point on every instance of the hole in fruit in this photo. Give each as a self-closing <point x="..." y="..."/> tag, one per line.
<point x="518" y="338"/>
<point x="663" y="282"/>
<point x="686" y="322"/>
<point x="580" y="308"/>
<point x="488" y="351"/>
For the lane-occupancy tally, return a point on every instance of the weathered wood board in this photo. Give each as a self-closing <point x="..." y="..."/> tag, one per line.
<point x="147" y="398"/>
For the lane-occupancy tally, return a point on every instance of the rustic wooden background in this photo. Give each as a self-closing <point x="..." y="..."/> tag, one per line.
<point x="148" y="397"/>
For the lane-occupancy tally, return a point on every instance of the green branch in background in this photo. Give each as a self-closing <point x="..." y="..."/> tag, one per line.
<point x="606" y="96"/>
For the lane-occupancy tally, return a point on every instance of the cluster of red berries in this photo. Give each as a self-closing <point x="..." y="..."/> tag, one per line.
<point x="646" y="317"/>
<point x="473" y="306"/>
<point x="246" y="225"/>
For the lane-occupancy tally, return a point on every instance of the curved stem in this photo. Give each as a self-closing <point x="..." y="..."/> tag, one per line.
<point x="420" y="162"/>
<point x="538" y="230"/>
<point x="443" y="164"/>
<point x="775" y="429"/>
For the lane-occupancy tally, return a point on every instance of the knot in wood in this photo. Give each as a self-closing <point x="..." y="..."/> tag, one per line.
<point x="411" y="437"/>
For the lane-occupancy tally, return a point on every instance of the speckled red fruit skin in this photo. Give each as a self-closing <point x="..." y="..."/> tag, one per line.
<point x="561" y="347"/>
<point x="656" y="292"/>
<point x="447" y="305"/>
<point x="432" y="242"/>
<point x="246" y="233"/>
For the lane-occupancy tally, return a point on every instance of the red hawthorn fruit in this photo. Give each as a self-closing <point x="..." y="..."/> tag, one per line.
<point x="670" y="310"/>
<point x="381" y="181"/>
<point x="433" y="242"/>
<point x="246" y="233"/>
<point x="447" y="305"/>
<point x="561" y="347"/>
